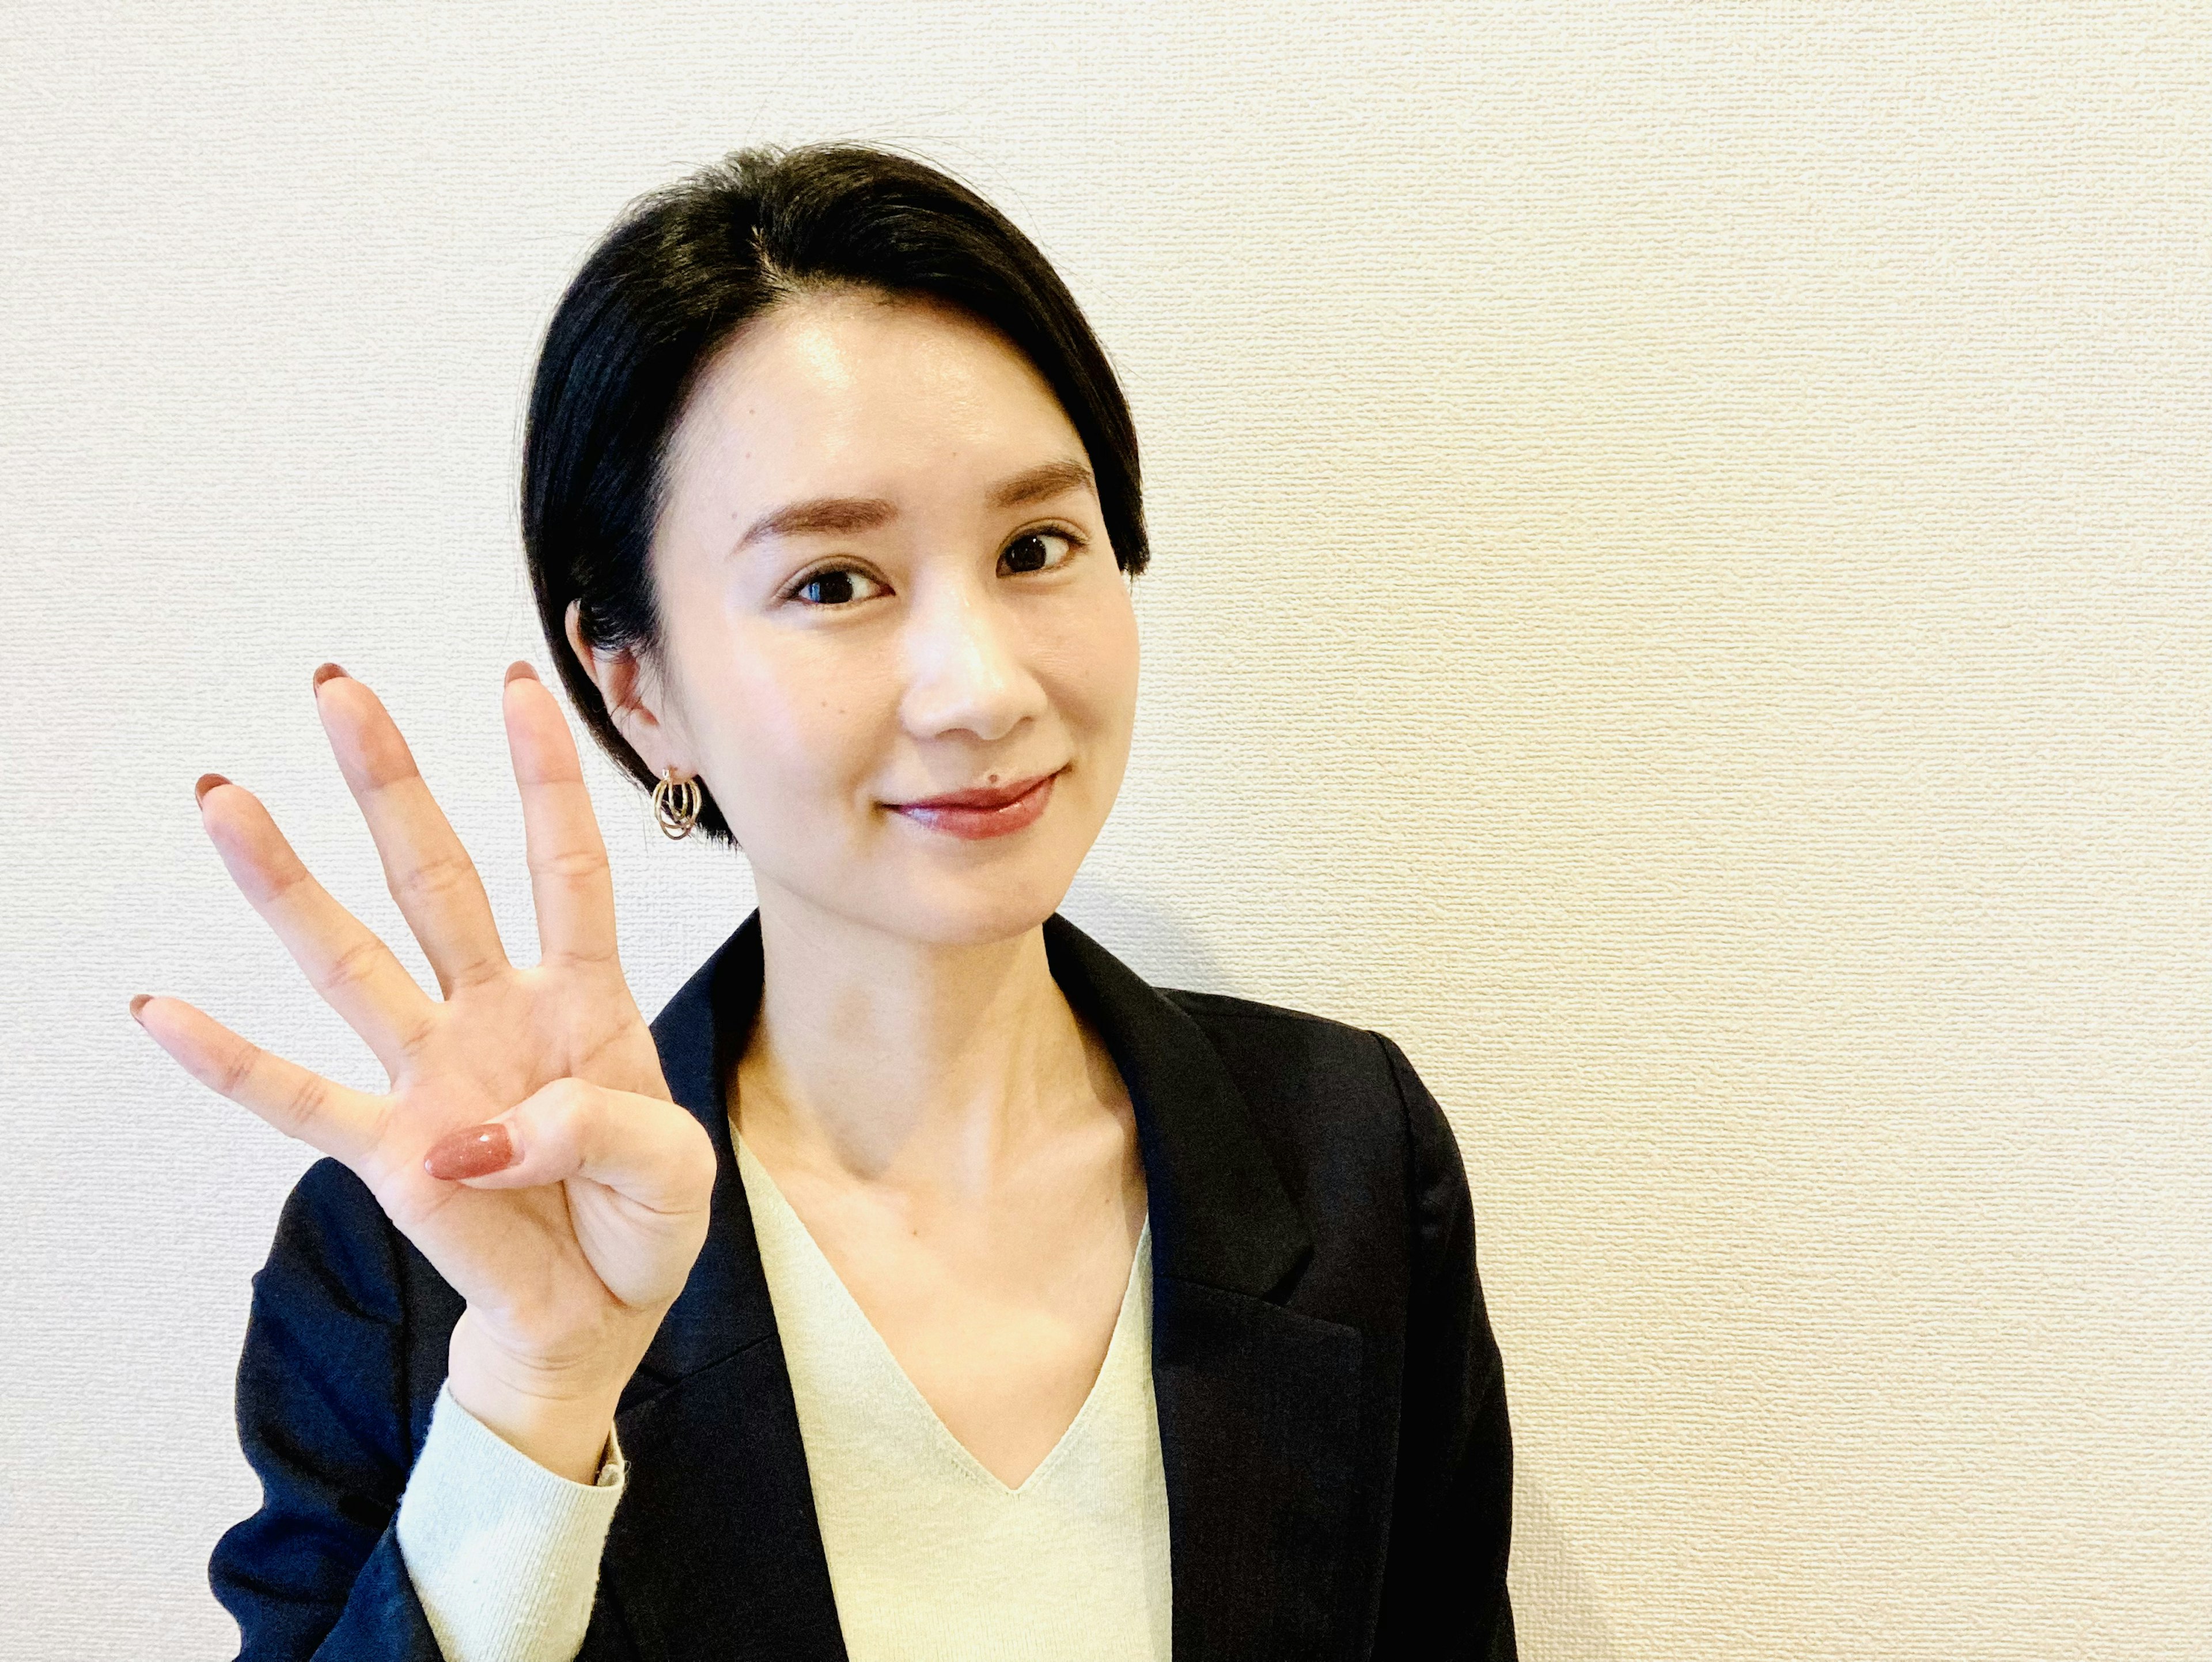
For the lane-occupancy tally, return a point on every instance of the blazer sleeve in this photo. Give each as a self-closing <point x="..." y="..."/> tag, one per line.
<point x="1444" y="1587"/>
<point x="325" y="1420"/>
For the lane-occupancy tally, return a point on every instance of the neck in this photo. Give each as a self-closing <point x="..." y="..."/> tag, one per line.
<point x="904" y="1062"/>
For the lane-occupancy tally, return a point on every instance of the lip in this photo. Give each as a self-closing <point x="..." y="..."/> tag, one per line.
<point x="987" y="810"/>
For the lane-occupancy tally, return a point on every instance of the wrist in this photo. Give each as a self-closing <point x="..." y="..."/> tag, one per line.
<point x="561" y="1418"/>
<point x="570" y="1439"/>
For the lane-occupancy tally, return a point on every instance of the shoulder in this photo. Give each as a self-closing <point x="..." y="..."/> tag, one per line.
<point x="341" y="1285"/>
<point x="333" y="1246"/>
<point x="1290" y="1062"/>
<point x="1289" y="1052"/>
<point x="1341" y="1108"/>
<point x="1364" y="1152"/>
<point x="331" y="1222"/>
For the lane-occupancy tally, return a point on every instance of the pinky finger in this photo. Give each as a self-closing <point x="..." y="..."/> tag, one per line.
<point x="335" y="1119"/>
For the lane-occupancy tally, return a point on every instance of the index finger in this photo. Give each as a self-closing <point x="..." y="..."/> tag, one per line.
<point x="570" y="882"/>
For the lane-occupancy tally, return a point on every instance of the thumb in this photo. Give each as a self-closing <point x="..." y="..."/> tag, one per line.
<point x="645" y="1148"/>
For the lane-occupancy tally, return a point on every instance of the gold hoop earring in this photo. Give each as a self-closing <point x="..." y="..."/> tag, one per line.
<point x="676" y="805"/>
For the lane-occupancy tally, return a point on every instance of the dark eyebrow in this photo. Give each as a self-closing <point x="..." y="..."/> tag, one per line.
<point x="831" y="514"/>
<point x="834" y="514"/>
<point x="1038" y="483"/>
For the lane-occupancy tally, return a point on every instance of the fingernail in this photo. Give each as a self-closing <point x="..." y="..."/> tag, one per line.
<point x="138" y="1002"/>
<point x="520" y="671"/>
<point x="326" y="673"/>
<point x="474" y="1151"/>
<point x="206" y="782"/>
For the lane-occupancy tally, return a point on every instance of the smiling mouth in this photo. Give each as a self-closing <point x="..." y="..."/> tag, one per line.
<point x="989" y="811"/>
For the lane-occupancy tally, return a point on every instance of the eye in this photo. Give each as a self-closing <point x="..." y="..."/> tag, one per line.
<point x="836" y="586"/>
<point x="1034" y="550"/>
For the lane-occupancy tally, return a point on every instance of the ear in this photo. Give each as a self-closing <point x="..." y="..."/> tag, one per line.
<point x="636" y="702"/>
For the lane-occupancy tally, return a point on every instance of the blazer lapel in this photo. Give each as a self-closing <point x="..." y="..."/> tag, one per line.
<point x="1259" y="1405"/>
<point x="715" y="1552"/>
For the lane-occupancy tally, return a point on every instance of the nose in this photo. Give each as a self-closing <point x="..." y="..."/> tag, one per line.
<point x="965" y="668"/>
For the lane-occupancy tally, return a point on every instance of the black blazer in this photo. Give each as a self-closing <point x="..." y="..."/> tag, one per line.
<point x="1332" y="1411"/>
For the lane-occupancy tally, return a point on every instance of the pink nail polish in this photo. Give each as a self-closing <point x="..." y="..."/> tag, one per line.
<point x="520" y="671"/>
<point x="139" y="1002"/>
<point x="206" y="782"/>
<point x="474" y="1151"/>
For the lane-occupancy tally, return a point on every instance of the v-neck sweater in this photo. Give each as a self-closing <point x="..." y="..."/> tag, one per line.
<point x="932" y="1557"/>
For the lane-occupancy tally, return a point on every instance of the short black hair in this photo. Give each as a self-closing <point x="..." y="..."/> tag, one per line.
<point x="679" y="273"/>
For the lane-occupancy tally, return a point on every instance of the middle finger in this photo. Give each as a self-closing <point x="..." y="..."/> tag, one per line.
<point x="427" y="869"/>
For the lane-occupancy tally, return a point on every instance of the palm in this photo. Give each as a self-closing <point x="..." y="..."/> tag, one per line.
<point x="549" y="1261"/>
<point x="526" y="1252"/>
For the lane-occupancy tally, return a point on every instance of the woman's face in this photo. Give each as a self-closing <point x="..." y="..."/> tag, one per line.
<point x="898" y="647"/>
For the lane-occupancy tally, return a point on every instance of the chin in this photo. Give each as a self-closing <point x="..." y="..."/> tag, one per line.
<point x="972" y="905"/>
<point x="976" y="909"/>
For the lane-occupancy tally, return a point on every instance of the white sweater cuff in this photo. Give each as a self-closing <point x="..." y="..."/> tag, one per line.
<point x="503" y="1554"/>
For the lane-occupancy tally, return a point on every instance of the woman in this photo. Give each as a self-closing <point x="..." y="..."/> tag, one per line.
<point x="920" y="1282"/>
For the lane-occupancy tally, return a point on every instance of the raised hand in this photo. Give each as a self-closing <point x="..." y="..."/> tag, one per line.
<point x="528" y="1145"/>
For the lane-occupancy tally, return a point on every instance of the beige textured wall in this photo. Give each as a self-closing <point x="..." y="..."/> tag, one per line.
<point x="1681" y="595"/>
